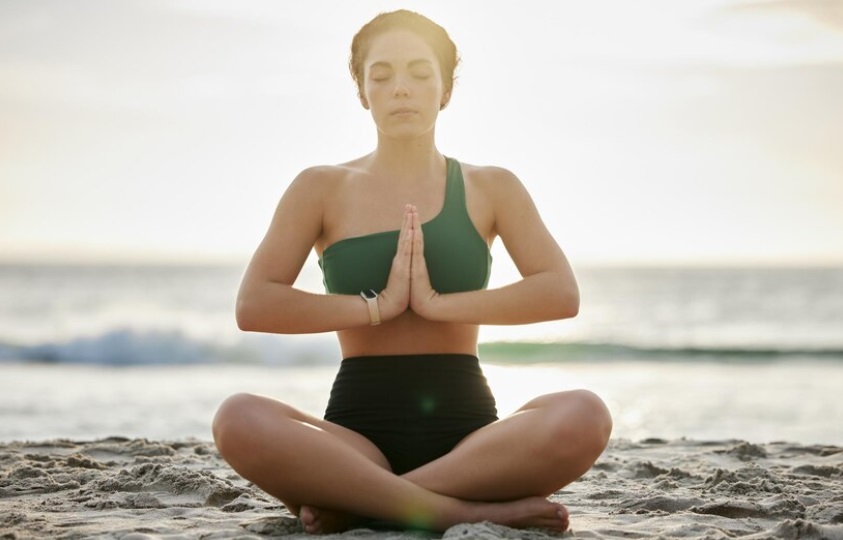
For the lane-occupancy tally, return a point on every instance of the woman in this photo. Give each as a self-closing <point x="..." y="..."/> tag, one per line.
<point x="410" y="436"/>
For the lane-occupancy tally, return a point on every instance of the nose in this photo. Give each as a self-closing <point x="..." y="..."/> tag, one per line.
<point x="401" y="87"/>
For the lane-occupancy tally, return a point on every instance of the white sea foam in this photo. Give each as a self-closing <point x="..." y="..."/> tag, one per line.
<point x="130" y="315"/>
<point x="151" y="351"/>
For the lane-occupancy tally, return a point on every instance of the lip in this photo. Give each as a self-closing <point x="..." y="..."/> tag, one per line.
<point x="403" y="111"/>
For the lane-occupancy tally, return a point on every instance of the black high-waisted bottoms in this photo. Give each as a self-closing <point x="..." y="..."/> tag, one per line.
<point x="414" y="408"/>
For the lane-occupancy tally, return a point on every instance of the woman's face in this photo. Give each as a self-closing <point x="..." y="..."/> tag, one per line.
<point x="402" y="84"/>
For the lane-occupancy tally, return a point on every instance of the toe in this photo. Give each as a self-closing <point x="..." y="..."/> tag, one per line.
<point x="309" y="519"/>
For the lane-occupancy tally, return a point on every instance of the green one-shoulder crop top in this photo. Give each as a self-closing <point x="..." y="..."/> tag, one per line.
<point x="457" y="257"/>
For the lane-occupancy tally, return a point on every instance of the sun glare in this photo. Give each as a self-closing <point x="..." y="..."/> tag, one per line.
<point x="666" y="121"/>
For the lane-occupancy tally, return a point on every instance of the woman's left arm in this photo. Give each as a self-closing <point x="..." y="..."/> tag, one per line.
<point x="547" y="290"/>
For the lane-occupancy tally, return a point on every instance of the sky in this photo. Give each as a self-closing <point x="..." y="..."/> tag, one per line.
<point x="656" y="132"/>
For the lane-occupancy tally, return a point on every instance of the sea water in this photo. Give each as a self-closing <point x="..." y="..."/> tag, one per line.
<point x="707" y="353"/>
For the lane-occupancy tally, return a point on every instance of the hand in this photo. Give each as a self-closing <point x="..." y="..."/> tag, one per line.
<point x="423" y="298"/>
<point x="395" y="298"/>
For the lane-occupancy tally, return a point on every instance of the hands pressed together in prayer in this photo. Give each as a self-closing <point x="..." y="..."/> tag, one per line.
<point x="408" y="285"/>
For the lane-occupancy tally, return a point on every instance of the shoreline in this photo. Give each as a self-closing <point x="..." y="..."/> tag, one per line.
<point x="794" y="401"/>
<point x="143" y="489"/>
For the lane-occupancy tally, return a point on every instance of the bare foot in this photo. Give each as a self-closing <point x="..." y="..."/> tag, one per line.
<point x="521" y="514"/>
<point x="525" y="513"/>
<point x="319" y="521"/>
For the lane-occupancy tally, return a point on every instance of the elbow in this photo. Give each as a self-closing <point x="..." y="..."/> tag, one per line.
<point x="567" y="300"/>
<point x="570" y="304"/>
<point x="247" y="316"/>
<point x="254" y="313"/>
<point x="558" y="297"/>
<point x="242" y="315"/>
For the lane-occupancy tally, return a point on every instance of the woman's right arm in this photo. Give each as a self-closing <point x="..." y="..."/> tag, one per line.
<point x="267" y="301"/>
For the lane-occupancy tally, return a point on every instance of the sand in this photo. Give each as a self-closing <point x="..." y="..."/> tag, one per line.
<point x="133" y="489"/>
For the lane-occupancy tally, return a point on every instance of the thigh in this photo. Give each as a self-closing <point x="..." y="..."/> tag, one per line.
<point x="263" y="413"/>
<point x="546" y="444"/>
<point x="582" y="405"/>
<point x="349" y="436"/>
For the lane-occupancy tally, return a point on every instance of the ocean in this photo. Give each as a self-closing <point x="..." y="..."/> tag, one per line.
<point x="89" y="351"/>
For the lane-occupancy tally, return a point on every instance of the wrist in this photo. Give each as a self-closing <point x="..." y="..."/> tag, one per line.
<point x="431" y="308"/>
<point x="388" y="306"/>
<point x="371" y="298"/>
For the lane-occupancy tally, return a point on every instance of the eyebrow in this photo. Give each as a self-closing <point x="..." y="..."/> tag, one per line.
<point x="411" y="63"/>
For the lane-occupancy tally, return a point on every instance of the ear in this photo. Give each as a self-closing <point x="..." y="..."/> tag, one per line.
<point x="363" y="101"/>
<point x="446" y="98"/>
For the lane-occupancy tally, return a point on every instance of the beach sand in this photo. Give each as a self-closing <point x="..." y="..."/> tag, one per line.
<point x="135" y="489"/>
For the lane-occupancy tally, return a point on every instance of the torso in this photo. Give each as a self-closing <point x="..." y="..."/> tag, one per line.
<point x="357" y="204"/>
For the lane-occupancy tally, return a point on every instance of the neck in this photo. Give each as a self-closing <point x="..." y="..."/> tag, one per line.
<point x="408" y="157"/>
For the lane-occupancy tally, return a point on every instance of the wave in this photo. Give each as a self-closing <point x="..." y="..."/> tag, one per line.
<point x="123" y="347"/>
<point x="532" y="352"/>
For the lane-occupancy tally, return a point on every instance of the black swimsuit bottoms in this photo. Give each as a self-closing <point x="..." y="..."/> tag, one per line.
<point x="414" y="408"/>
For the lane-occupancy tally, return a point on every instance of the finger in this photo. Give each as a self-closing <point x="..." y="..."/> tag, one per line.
<point x="418" y="243"/>
<point x="419" y="264"/>
<point x="405" y="237"/>
<point x="406" y="224"/>
<point x="409" y="235"/>
<point x="417" y="228"/>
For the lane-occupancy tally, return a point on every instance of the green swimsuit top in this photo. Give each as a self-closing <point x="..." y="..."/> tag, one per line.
<point x="458" y="258"/>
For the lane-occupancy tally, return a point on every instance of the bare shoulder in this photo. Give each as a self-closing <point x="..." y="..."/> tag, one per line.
<point x="331" y="176"/>
<point x="492" y="182"/>
<point x="319" y="184"/>
<point x="318" y="178"/>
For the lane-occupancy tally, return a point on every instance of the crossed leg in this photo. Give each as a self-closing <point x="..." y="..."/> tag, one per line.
<point x="324" y="472"/>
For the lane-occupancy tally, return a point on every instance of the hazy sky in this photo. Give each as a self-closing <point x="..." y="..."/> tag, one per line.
<point x="664" y="131"/>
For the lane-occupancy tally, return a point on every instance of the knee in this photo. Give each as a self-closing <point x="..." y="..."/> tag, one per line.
<point x="597" y="418"/>
<point x="230" y="426"/>
<point x="584" y="423"/>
